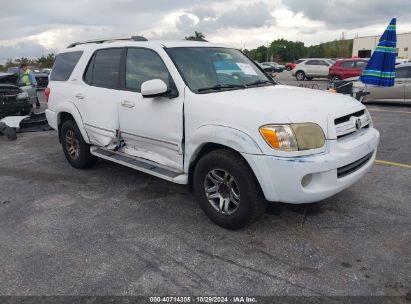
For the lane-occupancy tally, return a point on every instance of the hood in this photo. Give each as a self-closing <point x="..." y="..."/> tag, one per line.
<point x="277" y="104"/>
<point x="8" y="78"/>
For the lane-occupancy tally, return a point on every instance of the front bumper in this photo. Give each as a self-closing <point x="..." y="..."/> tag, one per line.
<point x="12" y="107"/>
<point x="281" y="177"/>
<point x="52" y="119"/>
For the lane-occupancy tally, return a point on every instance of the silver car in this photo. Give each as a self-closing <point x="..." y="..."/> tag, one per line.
<point x="399" y="93"/>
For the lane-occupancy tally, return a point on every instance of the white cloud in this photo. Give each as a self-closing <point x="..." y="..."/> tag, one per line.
<point x="29" y="30"/>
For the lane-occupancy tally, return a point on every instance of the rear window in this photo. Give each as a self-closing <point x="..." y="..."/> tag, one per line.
<point x="64" y="65"/>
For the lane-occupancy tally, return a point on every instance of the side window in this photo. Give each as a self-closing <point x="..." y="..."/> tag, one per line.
<point x="104" y="68"/>
<point x="347" y="64"/>
<point x="64" y="65"/>
<point x="311" y="62"/>
<point x="361" y="64"/>
<point x="403" y="72"/>
<point x="143" y="65"/>
<point x="322" y="62"/>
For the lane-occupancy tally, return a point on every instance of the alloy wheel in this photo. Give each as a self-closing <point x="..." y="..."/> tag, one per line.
<point x="222" y="191"/>
<point x="72" y="144"/>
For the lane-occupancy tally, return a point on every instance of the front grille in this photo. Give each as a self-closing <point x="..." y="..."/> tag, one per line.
<point x="348" y="124"/>
<point x="8" y="94"/>
<point x="10" y="91"/>
<point x="346" y="118"/>
<point x="350" y="168"/>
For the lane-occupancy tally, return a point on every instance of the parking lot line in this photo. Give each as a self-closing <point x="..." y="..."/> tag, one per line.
<point x="384" y="162"/>
<point x="389" y="111"/>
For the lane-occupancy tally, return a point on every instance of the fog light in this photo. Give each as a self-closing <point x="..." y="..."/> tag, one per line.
<point x="306" y="180"/>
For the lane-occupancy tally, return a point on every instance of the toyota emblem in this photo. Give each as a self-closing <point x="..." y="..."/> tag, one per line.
<point x="358" y="123"/>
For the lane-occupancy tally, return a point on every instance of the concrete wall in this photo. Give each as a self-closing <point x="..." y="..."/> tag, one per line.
<point x="370" y="42"/>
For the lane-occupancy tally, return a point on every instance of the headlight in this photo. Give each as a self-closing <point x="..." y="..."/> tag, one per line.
<point x="22" y="95"/>
<point x="293" y="137"/>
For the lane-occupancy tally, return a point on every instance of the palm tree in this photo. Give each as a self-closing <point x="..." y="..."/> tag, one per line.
<point x="198" y="36"/>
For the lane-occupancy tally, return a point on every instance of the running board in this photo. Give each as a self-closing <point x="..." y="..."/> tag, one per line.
<point x="141" y="164"/>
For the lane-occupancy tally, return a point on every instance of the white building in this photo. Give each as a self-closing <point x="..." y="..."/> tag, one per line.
<point x="364" y="46"/>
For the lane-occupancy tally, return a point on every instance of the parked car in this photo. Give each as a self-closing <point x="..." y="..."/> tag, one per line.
<point x="278" y="68"/>
<point x="46" y="71"/>
<point x="290" y="65"/>
<point x="400" y="61"/>
<point x="312" y="68"/>
<point x="42" y="79"/>
<point x="13" y="100"/>
<point x="205" y="115"/>
<point x="270" y="70"/>
<point x="346" y="68"/>
<point x="399" y="93"/>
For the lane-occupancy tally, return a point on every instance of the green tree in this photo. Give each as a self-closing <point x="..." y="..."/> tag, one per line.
<point x="198" y="36"/>
<point x="46" y="62"/>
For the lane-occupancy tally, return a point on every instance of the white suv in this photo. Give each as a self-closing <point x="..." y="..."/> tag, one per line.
<point x="310" y="68"/>
<point x="207" y="116"/>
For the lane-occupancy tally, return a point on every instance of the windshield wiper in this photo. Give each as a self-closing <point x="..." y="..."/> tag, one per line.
<point x="222" y="86"/>
<point x="258" y="82"/>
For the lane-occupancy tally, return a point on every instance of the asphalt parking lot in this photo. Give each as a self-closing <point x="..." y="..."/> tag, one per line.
<point x="110" y="230"/>
<point x="286" y="77"/>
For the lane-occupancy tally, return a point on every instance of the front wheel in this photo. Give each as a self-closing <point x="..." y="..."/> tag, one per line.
<point x="76" y="150"/>
<point x="227" y="189"/>
<point x="288" y="68"/>
<point x="300" y="75"/>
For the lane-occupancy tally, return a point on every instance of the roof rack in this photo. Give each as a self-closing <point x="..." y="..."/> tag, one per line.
<point x="132" y="38"/>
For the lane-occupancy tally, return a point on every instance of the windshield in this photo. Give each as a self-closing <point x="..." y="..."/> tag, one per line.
<point x="208" y="69"/>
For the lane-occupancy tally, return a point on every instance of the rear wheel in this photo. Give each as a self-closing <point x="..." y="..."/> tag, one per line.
<point x="288" y="68"/>
<point x="310" y="78"/>
<point x="300" y="75"/>
<point x="227" y="189"/>
<point x="76" y="150"/>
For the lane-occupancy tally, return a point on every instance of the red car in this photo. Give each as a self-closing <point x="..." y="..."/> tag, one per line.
<point x="289" y="66"/>
<point x="346" y="68"/>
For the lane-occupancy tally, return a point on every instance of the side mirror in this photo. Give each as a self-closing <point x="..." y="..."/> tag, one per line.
<point x="154" y="88"/>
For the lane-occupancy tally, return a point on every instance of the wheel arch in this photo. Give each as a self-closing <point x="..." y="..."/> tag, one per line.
<point x="209" y="138"/>
<point x="66" y="112"/>
<point x="204" y="150"/>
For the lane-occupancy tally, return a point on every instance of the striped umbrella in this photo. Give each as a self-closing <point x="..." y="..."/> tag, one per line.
<point x="380" y="70"/>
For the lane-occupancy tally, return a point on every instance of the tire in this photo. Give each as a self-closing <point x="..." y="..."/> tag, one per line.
<point x="300" y="75"/>
<point x="288" y="68"/>
<point x="233" y="180"/>
<point x="26" y="110"/>
<point x="309" y="78"/>
<point x="76" y="150"/>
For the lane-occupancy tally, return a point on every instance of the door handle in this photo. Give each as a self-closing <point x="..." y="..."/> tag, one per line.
<point x="80" y="96"/>
<point x="127" y="104"/>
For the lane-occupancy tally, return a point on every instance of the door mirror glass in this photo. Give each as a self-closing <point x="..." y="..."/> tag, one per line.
<point x="154" y="88"/>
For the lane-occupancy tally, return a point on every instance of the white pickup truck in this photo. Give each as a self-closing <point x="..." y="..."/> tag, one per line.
<point x="206" y="115"/>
